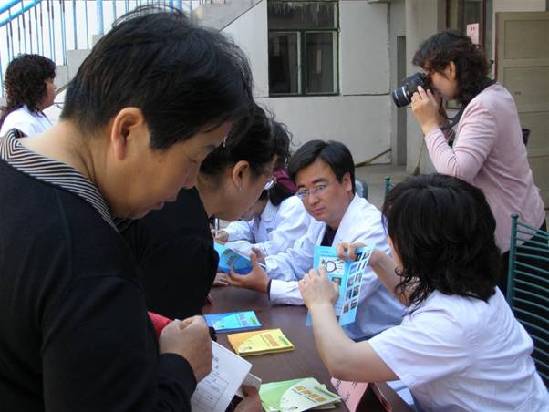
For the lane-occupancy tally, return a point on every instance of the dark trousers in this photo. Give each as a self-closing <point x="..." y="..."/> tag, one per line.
<point x="505" y="259"/>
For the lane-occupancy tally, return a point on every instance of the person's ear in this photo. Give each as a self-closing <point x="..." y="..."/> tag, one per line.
<point x="127" y="127"/>
<point x="452" y="72"/>
<point x="346" y="181"/>
<point x="239" y="172"/>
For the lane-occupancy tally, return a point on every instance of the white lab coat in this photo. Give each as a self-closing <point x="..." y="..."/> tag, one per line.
<point x="29" y="123"/>
<point x="378" y="309"/>
<point x="274" y="231"/>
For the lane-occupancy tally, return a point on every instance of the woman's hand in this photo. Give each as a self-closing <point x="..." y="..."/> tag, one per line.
<point x="347" y="251"/>
<point x="426" y="109"/>
<point x="316" y="289"/>
<point x="220" y="279"/>
<point x="257" y="279"/>
<point x="251" y="401"/>
<point x="221" y="236"/>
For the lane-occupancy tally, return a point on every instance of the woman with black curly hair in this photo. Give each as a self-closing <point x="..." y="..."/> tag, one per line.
<point x="460" y="347"/>
<point x="489" y="151"/>
<point x="29" y="89"/>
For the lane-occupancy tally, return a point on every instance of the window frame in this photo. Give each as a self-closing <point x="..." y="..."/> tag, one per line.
<point x="461" y="23"/>
<point x="302" y="73"/>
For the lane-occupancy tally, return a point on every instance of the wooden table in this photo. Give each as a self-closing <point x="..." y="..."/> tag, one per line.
<point x="300" y="363"/>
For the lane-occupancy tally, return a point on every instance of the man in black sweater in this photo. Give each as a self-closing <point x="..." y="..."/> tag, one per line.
<point x="153" y="98"/>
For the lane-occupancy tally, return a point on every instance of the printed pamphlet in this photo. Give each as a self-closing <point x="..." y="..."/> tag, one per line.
<point x="260" y="342"/>
<point x="233" y="321"/>
<point x="296" y="395"/>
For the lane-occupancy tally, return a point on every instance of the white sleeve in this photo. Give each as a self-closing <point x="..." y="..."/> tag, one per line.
<point x="240" y="230"/>
<point x="285" y="293"/>
<point x="295" y="262"/>
<point x="293" y="221"/>
<point x="427" y="347"/>
<point x="26" y="127"/>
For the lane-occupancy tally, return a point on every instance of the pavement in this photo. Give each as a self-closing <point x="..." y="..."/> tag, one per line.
<point x="374" y="176"/>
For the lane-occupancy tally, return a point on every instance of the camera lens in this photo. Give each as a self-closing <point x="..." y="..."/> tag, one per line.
<point x="402" y="95"/>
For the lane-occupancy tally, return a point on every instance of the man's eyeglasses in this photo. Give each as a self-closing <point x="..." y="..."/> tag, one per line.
<point x="269" y="183"/>
<point x="316" y="190"/>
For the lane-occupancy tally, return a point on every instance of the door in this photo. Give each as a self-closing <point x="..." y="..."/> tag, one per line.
<point x="522" y="66"/>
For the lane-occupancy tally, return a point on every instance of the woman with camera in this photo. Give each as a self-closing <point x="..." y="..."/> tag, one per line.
<point x="488" y="151"/>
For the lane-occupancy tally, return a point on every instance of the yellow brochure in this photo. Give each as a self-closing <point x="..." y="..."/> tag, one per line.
<point x="260" y="342"/>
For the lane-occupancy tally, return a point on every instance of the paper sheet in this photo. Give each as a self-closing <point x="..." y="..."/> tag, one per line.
<point x="215" y="391"/>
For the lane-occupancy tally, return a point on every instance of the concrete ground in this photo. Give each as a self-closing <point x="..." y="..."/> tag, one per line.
<point x="374" y="176"/>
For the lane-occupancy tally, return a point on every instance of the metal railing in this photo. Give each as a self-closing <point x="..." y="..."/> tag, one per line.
<point x="51" y="27"/>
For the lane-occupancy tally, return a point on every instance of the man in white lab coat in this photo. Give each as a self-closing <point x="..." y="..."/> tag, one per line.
<point x="324" y="174"/>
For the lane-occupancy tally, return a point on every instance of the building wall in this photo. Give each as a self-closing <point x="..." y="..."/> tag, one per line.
<point x="423" y="18"/>
<point x="397" y="28"/>
<point x="360" y="115"/>
<point x="250" y="33"/>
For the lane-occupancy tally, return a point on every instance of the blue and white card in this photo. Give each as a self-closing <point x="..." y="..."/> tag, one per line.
<point x="348" y="275"/>
<point x="233" y="321"/>
<point x="231" y="260"/>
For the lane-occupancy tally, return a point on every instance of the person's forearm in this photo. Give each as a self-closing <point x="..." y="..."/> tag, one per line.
<point x="331" y="341"/>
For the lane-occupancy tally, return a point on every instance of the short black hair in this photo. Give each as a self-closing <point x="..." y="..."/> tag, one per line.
<point x="25" y="83"/>
<point x="472" y="67"/>
<point x="183" y="77"/>
<point x="334" y="153"/>
<point x="443" y="231"/>
<point x="256" y="145"/>
<point x="276" y="194"/>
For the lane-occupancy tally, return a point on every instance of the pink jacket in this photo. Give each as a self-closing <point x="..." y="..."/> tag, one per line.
<point x="489" y="153"/>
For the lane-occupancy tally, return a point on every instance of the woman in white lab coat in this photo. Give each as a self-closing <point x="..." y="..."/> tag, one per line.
<point x="272" y="224"/>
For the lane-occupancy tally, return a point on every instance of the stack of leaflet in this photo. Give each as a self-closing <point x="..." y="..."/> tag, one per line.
<point x="260" y="342"/>
<point x="296" y="395"/>
<point x="232" y="322"/>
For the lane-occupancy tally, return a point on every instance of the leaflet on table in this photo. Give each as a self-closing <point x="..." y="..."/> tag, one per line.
<point x="231" y="260"/>
<point x="233" y="321"/>
<point x="348" y="275"/>
<point x="215" y="392"/>
<point x="296" y="395"/>
<point x="260" y="342"/>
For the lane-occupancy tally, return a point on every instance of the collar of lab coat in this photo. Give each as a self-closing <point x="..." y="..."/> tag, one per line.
<point x="269" y="213"/>
<point x="353" y="212"/>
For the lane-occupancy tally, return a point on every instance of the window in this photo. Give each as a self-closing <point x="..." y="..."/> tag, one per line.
<point x="303" y="47"/>
<point x="469" y="17"/>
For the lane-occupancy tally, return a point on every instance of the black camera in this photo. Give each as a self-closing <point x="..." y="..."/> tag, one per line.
<point x="402" y="95"/>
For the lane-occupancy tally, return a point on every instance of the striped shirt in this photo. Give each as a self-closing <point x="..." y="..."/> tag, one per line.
<point x="53" y="172"/>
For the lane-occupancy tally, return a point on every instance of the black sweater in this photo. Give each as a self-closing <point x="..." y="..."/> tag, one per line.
<point x="74" y="329"/>
<point x="174" y="249"/>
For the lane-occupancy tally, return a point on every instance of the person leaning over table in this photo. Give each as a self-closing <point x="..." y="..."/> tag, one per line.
<point x="74" y="330"/>
<point x="459" y="348"/>
<point x="173" y="246"/>
<point x="324" y="174"/>
<point x="272" y="224"/>
<point x="488" y="151"/>
<point x="275" y="221"/>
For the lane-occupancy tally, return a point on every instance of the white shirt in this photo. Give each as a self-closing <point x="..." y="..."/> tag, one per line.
<point x="462" y="354"/>
<point x="274" y="231"/>
<point x="29" y="123"/>
<point x="378" y="309"/>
